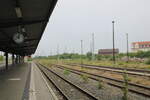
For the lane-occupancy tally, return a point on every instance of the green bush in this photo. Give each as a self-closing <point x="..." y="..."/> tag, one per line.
<point x="120" y="63"/>
<point x="1" y="58"/>
<point x="84" y="77"/>
<point x="148" y="61"/>
<point x="66" y="72"/>
<point x="89" y="56"/>
<point x="125" y="89"/>
<point x="99" y="57"/>
<point x="29" y="59"/>
<point x="100" y="84"/>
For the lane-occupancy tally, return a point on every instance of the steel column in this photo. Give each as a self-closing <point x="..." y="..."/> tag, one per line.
<point x="20" y="59"/>
<point x="16" y="60"/>
<point x="114" y="59"/>
<point x="13" y="57"/>
<point x="6" y="54"/>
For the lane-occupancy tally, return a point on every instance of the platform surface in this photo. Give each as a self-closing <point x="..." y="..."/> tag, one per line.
<point x="14" y="82"/>
<point x="41" y="90"/>
<point x="24" y="82"/>
<point x="2" y="66"/>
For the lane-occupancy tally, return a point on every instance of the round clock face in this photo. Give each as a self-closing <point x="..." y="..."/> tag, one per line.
<point x="18" y="38"/>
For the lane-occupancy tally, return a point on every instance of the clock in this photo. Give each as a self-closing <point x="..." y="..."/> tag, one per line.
<point x="18" y="38"/>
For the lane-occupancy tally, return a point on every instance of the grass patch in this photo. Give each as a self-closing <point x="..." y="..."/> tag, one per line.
<point x="84" y="78"/>
<point x="66" y="72"/>
<point x="130" y="64"/>
<point x="125" y="89"/>
<point x="148" y="61"/>
<point x="100" y="84"/>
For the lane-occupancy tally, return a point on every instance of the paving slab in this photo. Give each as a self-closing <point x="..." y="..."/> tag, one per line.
<point x="13" y="82"/>
<point x="24" y="82"/>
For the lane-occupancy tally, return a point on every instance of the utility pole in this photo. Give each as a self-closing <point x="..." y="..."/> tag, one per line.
<point x="51" y="53"/>
<point x="57" y="54"/>
<point x="65" y="49"/>
<point x="73" y="51"/>
<point x="125" y="75"/>
<point x="114" y="60"/>
<point x="93" y="45"/>
<point x="127" y="48"/>
<point x="81" y="53"/>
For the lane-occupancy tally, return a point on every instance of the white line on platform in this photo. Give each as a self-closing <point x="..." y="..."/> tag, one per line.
<point x="32" y="93"/>
<point x="49" y="88"/>
<point x="14" y="79"/>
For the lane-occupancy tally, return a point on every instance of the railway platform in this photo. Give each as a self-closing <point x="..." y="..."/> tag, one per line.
<point x="24" y="82"/>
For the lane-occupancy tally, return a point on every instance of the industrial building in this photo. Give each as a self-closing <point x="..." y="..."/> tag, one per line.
<point x="108" y="51"/>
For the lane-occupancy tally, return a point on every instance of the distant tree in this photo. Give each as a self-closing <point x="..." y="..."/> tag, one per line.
<point x="131" y="54"/>
<point x="121" y="55"/>
<point x="89" y="56"/>
<point x="147" y="61"/>
<point x="99" y="57"/>
<point x="147" y="54"/>
<point x="75" y="56"/>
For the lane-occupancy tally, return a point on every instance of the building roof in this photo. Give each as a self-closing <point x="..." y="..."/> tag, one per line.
<point x="33" y="19"/>
<point x="143" y="42"/>
<point x="108" y="50"/>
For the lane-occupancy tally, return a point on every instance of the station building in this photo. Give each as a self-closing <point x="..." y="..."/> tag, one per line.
<point x="141" y="46"/>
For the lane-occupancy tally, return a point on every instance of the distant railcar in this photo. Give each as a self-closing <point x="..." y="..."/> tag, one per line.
<point x="108" y="51"/>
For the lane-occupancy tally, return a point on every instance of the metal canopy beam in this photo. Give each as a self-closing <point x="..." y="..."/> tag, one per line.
<point x="20" y="22"/>
<point x="33" y="15"/>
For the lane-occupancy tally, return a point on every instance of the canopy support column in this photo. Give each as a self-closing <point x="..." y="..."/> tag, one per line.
<point x="19" y="59"/>
<point x="6" y="54"/>
<point x="13" y="59"/>
<point x="16" y="60"/>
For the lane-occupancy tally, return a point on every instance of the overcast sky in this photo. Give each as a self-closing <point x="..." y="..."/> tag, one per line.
<point x="75" y="20"/>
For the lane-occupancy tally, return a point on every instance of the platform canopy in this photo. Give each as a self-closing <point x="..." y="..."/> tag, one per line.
<point x="29" y="17"/>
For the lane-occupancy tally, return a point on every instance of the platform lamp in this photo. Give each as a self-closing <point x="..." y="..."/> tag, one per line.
<point x="18" y="12"/>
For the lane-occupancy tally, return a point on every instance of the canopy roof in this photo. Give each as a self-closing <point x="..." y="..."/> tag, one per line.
<point x="28" y="16"/>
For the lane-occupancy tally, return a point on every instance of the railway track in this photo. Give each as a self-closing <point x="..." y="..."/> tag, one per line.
<point x="134" y="88"/>
<point x="131" y="71"/>
<point x="68" y="89"/>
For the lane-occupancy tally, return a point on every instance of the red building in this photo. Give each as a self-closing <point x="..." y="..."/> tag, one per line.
<point x="141" y="46"/>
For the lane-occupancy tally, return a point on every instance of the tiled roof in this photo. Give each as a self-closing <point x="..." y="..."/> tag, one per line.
<point x="143" y="42"/>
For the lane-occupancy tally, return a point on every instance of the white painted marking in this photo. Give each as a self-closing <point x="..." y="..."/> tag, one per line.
<point x="49" y="88"/>
<point x="14" y="79"/>
<point x="32" y="93"/>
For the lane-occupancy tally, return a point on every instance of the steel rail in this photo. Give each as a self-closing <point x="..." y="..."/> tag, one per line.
<point x="117" y="70"/>
<point x="53" y="83"/>
<point x="132" y="86"/>
<point x="90" y="95"/>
